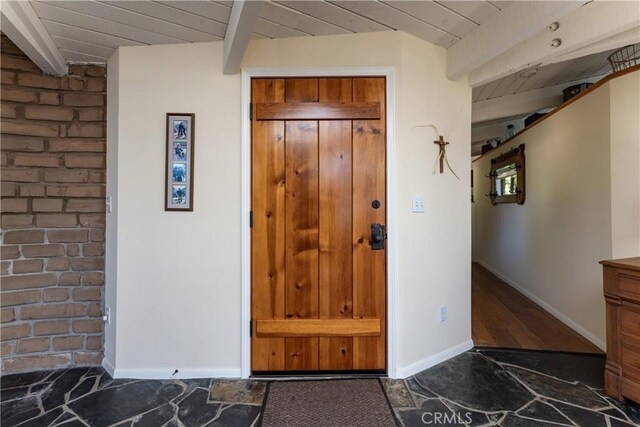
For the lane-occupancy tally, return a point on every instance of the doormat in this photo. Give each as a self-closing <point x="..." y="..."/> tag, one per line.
<point x="335" y="403"/>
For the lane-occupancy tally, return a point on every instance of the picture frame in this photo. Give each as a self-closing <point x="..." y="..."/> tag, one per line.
<point x="508" y="177"/>
<point x="178" y="194"/>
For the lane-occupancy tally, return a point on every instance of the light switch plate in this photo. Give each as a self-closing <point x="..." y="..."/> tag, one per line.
<point x="418" y="204"/>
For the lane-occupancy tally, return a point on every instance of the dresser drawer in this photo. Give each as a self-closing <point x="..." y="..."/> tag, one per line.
<point x="630" y="359"/>
<point x="629" y="286"/>
<point x="630" y="322"/>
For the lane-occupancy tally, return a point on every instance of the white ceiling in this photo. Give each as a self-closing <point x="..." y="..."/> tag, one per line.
<point x="489" y="41"/>
<point x="549" y="75"/>
<point x="90" y="31"/>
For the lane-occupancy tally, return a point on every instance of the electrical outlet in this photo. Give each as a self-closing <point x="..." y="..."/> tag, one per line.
<point x="108" y="201"/>
<point x="418" y="204"/>
<point x="443" y="313"/>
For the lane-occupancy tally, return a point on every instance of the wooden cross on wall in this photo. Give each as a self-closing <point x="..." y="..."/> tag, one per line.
<point x="441" y="155"/>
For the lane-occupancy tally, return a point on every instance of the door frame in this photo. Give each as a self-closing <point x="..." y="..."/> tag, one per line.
<point x="245" y="311"/>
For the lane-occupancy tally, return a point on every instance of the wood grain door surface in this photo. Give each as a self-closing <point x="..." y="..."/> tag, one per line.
<point x="318" y="288"/>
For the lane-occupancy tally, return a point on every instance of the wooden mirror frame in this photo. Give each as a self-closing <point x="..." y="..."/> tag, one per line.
<point x="515" y="155"/>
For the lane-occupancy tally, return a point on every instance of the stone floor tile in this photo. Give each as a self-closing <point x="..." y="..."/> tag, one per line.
<point x="512" y="420"/>
<point x="398" y="393"/>
<point x="157" y="417"/>
<point x="237" y="415"/>
<point x="238" y="391"/>
<point x="543" y="412"/>
<point x="116" y="404"/>
<point x="556" y="389"/>
<point x="582" y="416"/>
<point x="475" y="382"/>
<point x="571" y="367"/>
<point x="195" y="410"/>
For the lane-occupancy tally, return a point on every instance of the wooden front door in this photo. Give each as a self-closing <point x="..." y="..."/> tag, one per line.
<point x="318" y="287"/>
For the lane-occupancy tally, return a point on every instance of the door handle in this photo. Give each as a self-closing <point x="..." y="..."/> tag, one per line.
<point x="377" y="237"/>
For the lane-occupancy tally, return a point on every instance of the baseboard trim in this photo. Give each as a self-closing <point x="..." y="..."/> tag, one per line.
<point x="167" y="374"/>
<point x="108" y="367"/>
<point x="547" y="307"/>
<point x="427" y="362"/>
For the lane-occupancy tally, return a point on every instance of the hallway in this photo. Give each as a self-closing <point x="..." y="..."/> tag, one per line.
<point x="503" y="317"/>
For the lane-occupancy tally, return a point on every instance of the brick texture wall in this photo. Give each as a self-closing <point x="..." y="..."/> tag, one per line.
<point x="53" y="214"/>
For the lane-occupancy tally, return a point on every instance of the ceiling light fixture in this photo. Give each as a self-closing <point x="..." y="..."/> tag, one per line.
<point x="553" y="26"/>
<point x="525" y="74"/>
<point x="556" y="42"/>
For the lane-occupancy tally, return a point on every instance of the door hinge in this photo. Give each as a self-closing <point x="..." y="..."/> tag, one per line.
<point x="250" y="111"/>
<point x="250" y="219"/>
<point x="250" y="328"/>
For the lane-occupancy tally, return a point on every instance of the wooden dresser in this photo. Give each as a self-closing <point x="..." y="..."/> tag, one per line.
<point x="622" y="294"/>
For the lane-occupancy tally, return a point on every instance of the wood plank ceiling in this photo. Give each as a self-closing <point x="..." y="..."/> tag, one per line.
<point x="90" y="31"/>
<point x="549" y="75"/>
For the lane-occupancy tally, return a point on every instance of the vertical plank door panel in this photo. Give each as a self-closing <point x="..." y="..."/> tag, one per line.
<point x="268" y="231"/>
<point x="336" y="290"/>
<point x="313" y="185"/>
<point x="301" y="212"/>
<point x="369" y="183"/>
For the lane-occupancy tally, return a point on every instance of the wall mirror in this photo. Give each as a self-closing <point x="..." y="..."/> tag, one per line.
<point x="507" y="177"/>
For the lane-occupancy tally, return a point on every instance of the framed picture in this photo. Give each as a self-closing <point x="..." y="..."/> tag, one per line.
<point x="179" y="162"/>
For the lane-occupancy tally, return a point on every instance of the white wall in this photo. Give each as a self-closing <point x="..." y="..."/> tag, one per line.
<point x="550" y="247"/>
<point x="111" y="241"/>
<point x="434" y="249"/>
<point x="625" y="165"/>
<point x="178" y="283"/>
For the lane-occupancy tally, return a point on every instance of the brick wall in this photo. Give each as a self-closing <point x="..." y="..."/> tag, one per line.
<point x="53" y="188"/>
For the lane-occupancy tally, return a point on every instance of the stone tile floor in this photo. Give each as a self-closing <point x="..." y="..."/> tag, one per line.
<point x="477" y="388"/>
<point x="511" y="388"/>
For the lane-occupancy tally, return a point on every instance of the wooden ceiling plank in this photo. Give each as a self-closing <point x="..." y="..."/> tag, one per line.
<point x="476" y="11"/>
<point x="52" y="13"/>
<point x="597" y="20"/>
<point x="435" y="14"/>
<point x="500" y="90"/>
<point x="573" y="70"/>
<point x="487" y="89"/>
<point x="328" y="12"/>
<point x="399" y="20"/>
<point x="73" y="56"/>
<point x="291" y="18"/>
<point x="241" y="23"/>
<point x="226" y="3"/>
<point x="512" y="83"/>
<point x="171" y="14"/>
<point x="83" y="47"/>
<point x="23" y="26"/>
<point x="514" y="24"/>
<point x="276" y="31"/>
<point x="71" y="32"/>
<point x="215" y="11"/>
<point x="117" y="14"/>
<point x="535" y="82"/>
<point x="598" y="63"/>
<point x="500" y="4"/>
<point x="520" y="103"/>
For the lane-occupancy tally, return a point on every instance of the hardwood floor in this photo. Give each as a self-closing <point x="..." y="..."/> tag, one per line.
<point x="503" y="317"/>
